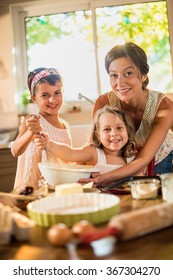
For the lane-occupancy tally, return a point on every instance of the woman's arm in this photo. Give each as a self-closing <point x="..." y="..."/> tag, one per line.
<point x="28" y="128"/>
<point x="163" y="121"/>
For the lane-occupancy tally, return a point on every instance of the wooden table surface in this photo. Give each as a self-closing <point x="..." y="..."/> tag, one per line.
<point x="154" y="246"/>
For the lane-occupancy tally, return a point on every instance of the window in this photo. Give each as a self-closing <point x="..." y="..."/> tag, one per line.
<point x="75" y="39"/>
<point x="145" y="24"/>
<point x="64" y="41"/>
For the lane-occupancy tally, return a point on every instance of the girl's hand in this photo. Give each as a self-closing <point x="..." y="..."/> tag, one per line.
<point x="41" y="140"/>
<point x="33" y="123"/>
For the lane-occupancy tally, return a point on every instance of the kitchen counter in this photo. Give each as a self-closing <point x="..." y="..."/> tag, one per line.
<point x="154" y="246"/>
<point x="6" y="145"/>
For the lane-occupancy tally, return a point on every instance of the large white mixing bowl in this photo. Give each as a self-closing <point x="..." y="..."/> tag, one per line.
<point x="65" y="173"/>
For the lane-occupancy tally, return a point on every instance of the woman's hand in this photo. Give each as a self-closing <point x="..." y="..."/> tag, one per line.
<point x="94" y="177"/>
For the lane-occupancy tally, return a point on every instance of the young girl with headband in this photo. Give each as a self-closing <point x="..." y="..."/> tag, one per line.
<point x="112" y="142"/>
<point x="46" y="88"/>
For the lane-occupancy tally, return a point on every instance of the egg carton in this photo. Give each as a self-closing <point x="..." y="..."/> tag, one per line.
<point x="14" y="224"/>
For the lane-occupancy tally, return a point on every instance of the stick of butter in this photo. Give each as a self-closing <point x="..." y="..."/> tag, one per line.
<point x="88" y="185"/>
<point x="70" y="188"/>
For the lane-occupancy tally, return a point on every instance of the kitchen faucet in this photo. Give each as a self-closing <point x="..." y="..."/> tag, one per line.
<point x="81" y="95"/>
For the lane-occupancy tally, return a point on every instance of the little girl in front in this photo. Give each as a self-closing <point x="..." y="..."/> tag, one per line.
<point x="112" y="142"/>
<point x="46" y="88"/>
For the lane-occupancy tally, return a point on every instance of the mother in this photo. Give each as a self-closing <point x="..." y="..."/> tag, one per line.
<point x="150" y="111"/>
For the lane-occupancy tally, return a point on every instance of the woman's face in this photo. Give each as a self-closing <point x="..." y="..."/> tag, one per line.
<point x="125" y="79"/>
<point x="112" y="132"/>
<point x="48" y="98"/>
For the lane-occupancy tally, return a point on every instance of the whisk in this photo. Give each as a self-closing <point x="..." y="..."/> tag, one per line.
<point x="49" y="158"/>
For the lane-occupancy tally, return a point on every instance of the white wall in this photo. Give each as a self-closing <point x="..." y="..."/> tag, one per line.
<point x="7" y="101"/>
<point x="8" y="110"/>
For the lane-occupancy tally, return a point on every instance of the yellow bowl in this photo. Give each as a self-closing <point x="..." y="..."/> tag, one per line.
<point x="94" y="207"/>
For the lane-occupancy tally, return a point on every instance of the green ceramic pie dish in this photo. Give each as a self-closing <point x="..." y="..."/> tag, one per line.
<point x="95" y="207"/>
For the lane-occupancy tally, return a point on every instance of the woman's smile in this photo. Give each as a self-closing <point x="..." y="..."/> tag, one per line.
<point x="123" y="90"/>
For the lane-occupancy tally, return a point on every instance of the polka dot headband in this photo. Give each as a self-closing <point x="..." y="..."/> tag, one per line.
<point x="42" y="74"/>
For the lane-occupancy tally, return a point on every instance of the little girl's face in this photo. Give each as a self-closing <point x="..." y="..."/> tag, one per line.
<point x="112" y="132"/>
<point x="48" y="98"/>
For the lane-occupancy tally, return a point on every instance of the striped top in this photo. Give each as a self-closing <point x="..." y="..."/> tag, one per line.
<point x="28" y="173"/>
<point x="146" y="125"/>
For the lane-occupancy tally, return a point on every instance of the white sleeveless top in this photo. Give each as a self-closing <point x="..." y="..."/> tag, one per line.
<point x="103" y="166"/>
<point x="28" y="173"/>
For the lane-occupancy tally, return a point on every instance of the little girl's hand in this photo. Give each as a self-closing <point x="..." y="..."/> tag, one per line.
<point x="41" y="140"/>
<point x="33" y="123"/>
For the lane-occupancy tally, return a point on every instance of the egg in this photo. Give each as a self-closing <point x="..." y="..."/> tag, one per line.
<point x="59" y="234"/>
<point x="81" y="227"/>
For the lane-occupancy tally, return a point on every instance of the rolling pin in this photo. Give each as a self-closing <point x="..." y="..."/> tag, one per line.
<point x="134" y="224"/>
<point x="143" y="221"/>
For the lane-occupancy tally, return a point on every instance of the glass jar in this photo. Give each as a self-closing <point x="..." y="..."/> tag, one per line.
<point x="167" y="186"/>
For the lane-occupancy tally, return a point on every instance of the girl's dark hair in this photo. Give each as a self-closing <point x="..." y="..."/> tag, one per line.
<point x="51" y="79"/>
<point x="133" y="52"/>
<point x="130" y="148"/>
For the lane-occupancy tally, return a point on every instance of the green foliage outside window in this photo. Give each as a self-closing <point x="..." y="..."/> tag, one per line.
<point x="26" y="97"/>
<point x="145" y="24"/>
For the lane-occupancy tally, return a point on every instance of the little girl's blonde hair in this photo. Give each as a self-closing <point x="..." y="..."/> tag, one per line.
<point x="130" y="148"/>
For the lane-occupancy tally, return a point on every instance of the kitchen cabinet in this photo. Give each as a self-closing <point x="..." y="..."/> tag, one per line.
<point x="8" y="165"/>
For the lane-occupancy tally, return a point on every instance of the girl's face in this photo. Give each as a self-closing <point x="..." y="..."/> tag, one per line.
<point x="112" y="132"/>
<point x="48" y="98"/>
<point x="125" y="78"/>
